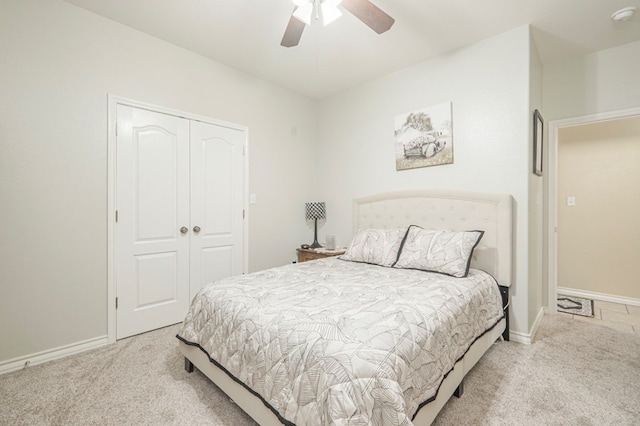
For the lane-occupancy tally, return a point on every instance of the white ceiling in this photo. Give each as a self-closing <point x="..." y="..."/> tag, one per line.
<point x="246" y="34"/>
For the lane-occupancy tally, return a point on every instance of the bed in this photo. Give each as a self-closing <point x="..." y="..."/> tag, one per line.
<point x="354" y="341"/>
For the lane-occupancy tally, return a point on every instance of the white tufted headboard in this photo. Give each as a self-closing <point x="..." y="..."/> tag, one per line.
<point x="455" y="210"/>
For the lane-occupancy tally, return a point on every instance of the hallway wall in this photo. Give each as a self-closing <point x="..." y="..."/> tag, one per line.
<point x="598" y="238"/>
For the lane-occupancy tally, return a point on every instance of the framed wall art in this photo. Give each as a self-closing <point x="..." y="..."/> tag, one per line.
<point x="423" y="137"/>
<point x="538" y="142"/>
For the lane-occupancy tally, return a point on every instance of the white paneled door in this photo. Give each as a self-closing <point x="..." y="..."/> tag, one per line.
<point x="217" y="184"/>
<point x="179" y="202"/>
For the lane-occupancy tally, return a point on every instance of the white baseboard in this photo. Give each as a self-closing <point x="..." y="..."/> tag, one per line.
<point x="599" y="296"/>
<point x="536" y="323"/>
<point x="525" y="338"/>
<point x="51" y="354"/>
<point x="516" y="336"/>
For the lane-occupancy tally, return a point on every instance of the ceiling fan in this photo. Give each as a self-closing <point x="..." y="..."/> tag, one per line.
<point x="364" y="10"/>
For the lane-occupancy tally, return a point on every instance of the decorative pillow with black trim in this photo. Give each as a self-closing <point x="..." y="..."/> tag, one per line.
<point x="445" y="252"/>
<point x="375" y="246"/>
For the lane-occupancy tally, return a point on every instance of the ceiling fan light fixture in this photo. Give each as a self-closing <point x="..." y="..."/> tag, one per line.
<point x="371" y="15"/>
<point x="304" y="12"/>
<point x="330" y="11"/>
<point x="623" y="14"/>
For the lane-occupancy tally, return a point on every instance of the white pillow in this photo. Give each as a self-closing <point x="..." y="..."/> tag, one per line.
<point x="375" y="246"/>
<point x="445" y="252"/>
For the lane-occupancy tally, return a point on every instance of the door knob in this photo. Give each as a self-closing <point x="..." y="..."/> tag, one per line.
<point x="196" y="229"/>
<point x="184" y="230"/>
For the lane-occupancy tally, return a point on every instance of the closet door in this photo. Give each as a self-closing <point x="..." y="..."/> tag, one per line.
<point x="152" y="229"/>
<point x="217" y="188"/>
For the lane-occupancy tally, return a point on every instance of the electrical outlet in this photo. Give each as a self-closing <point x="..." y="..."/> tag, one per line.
<point x="571" y="201"/>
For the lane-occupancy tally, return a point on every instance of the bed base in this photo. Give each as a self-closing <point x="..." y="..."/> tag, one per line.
<point x="255" y="407"/>
<point x="250" y="404"/>
<point x="504" y="292"/>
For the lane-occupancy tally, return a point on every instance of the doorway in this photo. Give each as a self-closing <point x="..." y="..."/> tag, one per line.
<point x="559" y="210"/>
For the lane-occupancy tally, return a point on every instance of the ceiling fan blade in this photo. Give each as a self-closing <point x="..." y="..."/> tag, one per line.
<point x="370" y="14"/>
<point x="293" y="32"/>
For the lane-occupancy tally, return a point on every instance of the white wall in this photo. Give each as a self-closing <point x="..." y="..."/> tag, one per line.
<point x="488" y="84"/>
<point x="537" y="259"/>
<point x="57" y="65"/>
<point x="605" y="81"/>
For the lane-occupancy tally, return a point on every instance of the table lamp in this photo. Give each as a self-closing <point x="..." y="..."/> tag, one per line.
<point x="315" y="211"/>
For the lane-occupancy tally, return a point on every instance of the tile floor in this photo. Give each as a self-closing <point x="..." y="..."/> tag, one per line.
<point x="614" y="315"/>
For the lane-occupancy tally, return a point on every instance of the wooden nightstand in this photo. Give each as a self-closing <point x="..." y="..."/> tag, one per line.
<point x="311" y="254"/>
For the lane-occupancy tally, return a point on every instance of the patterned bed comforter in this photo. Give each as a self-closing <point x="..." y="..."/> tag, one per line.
<point x="336" y="342"/>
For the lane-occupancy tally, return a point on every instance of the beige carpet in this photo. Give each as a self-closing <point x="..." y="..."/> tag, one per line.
<point x="575" y="373"/>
